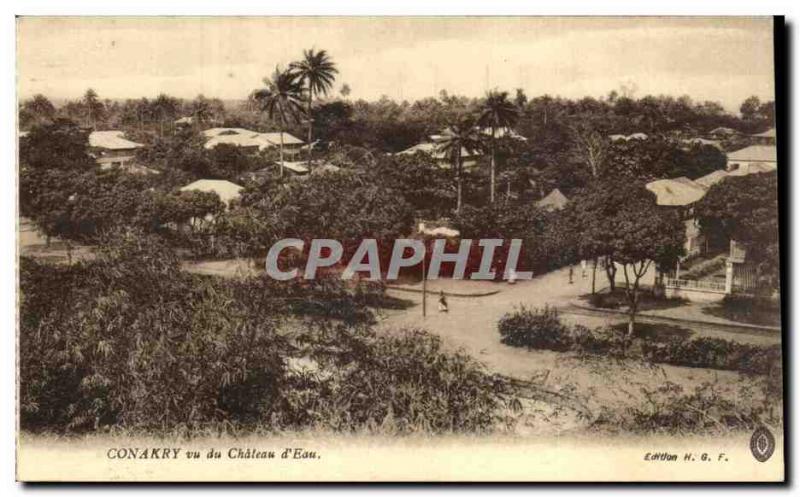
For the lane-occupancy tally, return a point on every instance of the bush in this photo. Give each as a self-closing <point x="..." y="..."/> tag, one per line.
<point x="128" y="341"/>
<point x="535" y="329"/>
<point x="715" y="353"/>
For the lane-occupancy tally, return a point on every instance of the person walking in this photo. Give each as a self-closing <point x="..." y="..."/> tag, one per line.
<point x="571" y="270"/>
<point x="442" y="302"/>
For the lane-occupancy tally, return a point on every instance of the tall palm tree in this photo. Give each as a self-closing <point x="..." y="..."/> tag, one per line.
<point x="317" y="72"/>
<point x="496" y="112"/>
<point x="282" y="100"/>
<point x="459" y="138"/>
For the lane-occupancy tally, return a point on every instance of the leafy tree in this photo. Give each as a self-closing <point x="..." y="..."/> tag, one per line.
<point x="36" y="111"/>
<point x="745" y="209"/>
<point x="281" y="99"/>
<point x="93" y="107"/>
<point x="317" y="72"/>
<point x="496" y="112"/>
<point x="621" y="223"/>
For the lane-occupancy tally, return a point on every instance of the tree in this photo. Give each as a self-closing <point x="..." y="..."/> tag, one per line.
<point x="281" y="99"/>
<point x="745" y="209"/>
<point x="93" y="107"/>
<point x="496" y="112"/>
<point x="36" y="111"/>
<point x="592" y="148"/>
<point x="345" y="90"/>
<point x="750" y="108"/>
<point x="166" y="108"/>
<point x="461" y="136"/>
<point x="317" y="71"/>
<point x="621" y="222"/>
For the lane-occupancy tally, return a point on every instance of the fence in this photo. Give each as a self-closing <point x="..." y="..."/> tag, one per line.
<point x="706" y="285"/>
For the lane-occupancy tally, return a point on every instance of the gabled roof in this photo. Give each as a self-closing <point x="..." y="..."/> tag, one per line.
<point x="754" y="153"/>
<point x="226" y="190"/>
<point x="676" y="191"/>
<point x="212" y="132"/>
<point x="241" y="137"/>
<point x="555" y="200"/>
<point x="237" y="140"/>
<point x="300" y="167"/>
<point x="702" y="141"/>
<point x="111" y="140"/>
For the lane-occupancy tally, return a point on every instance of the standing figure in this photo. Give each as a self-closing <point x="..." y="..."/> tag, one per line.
<point x="442" y="302"/>
<point x="583" y="268"/>
<point x="571" y="270"/>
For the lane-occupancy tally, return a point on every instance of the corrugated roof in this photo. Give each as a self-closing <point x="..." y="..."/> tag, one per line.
<point x="226" y="190"/>
<point x="241" y="137"/>
<point x="754" y="153"/>
<point x="555" y="200"/>
<point x="676" y="191"/>
<point x="111" y="140"/>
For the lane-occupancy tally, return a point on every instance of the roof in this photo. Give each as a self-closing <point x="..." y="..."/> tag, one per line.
<point x="754" y="153"/>
<point x="555" y="200"/>
<point x="185" y="120"/>
<point x="226" y="190"/>
<point x="503" y="132"/>
<point x="632" y="136"/>
<point x="676" y="191"/>
<point x="702" y="141"/>
<point x="237" y="140"/>
<point x="241" y="137"/>
<point x="770" y="133"/>
<point x="711" y="179"/>
<point x="759" y="167"/>
<point x="431" y="149"/>
<point x="275" y="138"/>
<point x="296" y="167"/>
<point x="111" y="140"/>
<point x="212" y="132"/>
<point x="437" y="231"/>
<point x="723" y="131"/>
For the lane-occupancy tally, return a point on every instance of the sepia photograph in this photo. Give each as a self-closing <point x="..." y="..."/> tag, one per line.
<point x="399" y="249"/>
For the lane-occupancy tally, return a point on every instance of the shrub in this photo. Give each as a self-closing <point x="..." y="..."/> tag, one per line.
<point x="715" y="353"/>
<point x="535" y="329"/>
<point x="129" y="341"/>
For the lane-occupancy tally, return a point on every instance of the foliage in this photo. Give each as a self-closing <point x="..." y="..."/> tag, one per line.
<point x="535" y="329"/>
<point x="129" y="341"/>
<point x="745" y="209"/>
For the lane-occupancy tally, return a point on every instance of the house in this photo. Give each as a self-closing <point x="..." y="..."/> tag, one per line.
<point x="110" y="148"/>
<point x="765" y="138"/>
<point x="253" y="141"/>
<point x="503" y="133"/>
<point x="227" y="191"/>
<point x="632" y="136"/>
<point x="682" y="192"/>
<point x="722" y="133"/>
<point x="553" y="201"/>
<point x="753" y="159"/>
<point x="184" y="121"/>
<point x="468" y="159"/>
<point x="711" y="179"/>
<point x="702" y="141"/>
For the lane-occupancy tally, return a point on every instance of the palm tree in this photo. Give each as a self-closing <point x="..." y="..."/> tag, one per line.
<point x="282" y="100"/>
<point x="316" y="71"/>
<point x="497" y="112"/>
<point x="459" y="138"/>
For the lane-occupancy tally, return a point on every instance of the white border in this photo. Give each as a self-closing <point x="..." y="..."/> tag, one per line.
<point x="303" y="7"/>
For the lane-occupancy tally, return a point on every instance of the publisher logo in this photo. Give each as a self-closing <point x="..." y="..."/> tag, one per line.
<point x="762" y="444"/>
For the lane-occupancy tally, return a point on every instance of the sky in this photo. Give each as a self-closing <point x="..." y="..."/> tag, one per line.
<point x="720" y="59"/>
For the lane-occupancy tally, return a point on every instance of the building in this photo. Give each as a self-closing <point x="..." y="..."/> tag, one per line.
<point x="765" y="138"/>
<point x="227" y="191"/>
<point x="722" y="133"/>
<point x="110" y="148"/>
<point x="702" y="141"/>
<point x="682" y="192"/>
<point x="184" y="121"/>
<point x="553" y="201"/>
<point x="503" y="133"/>
<point x="253" y="141"/>
<point x="468" y="159"/>
<point x="751" y="160"/>
<point x="632" y="136"/>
